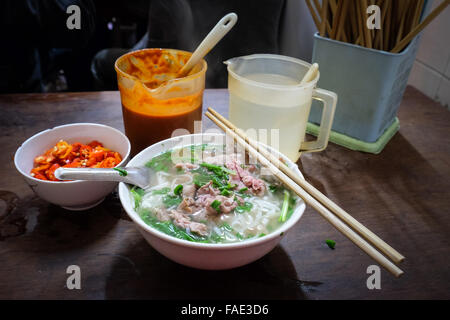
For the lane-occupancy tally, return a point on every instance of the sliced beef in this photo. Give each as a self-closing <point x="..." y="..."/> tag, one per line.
<point x="189" y="190"/>
<point x="236" y="167"/>
<point x="226" y="204"/>
<point x="187" y="205"/>
<point x="204" y="201"/>
<point x="208" y="189"/>
<point x="257" y="186"/>
<point x="183" y="221"/>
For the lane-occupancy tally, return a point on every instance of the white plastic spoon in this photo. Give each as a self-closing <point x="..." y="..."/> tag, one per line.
<point x="311" y="74"/>
<point x="214" y="36"/>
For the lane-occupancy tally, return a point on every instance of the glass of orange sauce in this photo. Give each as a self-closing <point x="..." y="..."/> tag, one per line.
<point x="155" y="102"/>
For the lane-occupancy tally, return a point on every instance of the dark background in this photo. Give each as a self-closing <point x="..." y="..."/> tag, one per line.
<point x="40" y="54"/>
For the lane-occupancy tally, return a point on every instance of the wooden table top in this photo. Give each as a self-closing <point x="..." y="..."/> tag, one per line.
<point x="402" y="194"/>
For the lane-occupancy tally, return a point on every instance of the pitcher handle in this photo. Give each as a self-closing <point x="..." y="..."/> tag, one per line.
<point x="329" y="100"/>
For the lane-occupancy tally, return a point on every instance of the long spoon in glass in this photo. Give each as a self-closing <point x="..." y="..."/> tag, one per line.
<point x="214" y="36"/>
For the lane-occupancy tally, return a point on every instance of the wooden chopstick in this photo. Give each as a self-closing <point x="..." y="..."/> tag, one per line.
<point x="313" y="14"/>
<point x="340" y="33"/>
<point x="387" y="25"/>
<point x="417" y="13"/>
<point x="402" y="23"/>
<point x="324" y="17"/>
<point x="361" y="24"/>
<point x="310" y="200"/>
<point x="367" y="34"/>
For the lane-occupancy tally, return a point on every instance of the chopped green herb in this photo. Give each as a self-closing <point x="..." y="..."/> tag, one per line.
<point x="217" y="174"/>
<point x="230" y="186"/>
<point x="200" y="180"/>
<point x="161" y="191"/>
<point x="285" y="207"/>
<point x="122" y="172"/>
<point x="330" y="243"/>
<point x="216" y="238"/>
<point x="242" y="194"/>
<point x="226" y="226"/>
<point x="201" y="177"/>
<point x="291" y="208"/>
<point x="239" y="236"/>
<point x="161" y="162"/>
<point x="274" y="188"/>
<point x="137" y="195"/>
<point x="226" y="193"/>
<point x="261" y="235"/>
<point x="178" y="189"/>
<point x="216" y="205"/>
<point x="171" y="200"/>
<point x="219" y="170"/>
<point x="246" y="207"/>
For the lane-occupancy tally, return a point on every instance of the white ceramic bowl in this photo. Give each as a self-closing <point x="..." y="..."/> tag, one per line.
<point x="72" y="195"/>
<point x="202" y="255"/>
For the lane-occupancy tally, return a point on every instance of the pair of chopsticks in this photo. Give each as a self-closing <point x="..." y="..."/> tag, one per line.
<point x="341" y="220"/>
<point x="345" y="20"/>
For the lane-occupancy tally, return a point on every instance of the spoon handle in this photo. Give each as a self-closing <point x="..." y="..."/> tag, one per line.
<point x="92" y="174"/>
<point x="218" y="32"/>
<point x="311" y="74"/>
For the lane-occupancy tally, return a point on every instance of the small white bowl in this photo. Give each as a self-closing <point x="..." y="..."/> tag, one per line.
<point x="72" y="195"/>
<point x="206" y="256"/>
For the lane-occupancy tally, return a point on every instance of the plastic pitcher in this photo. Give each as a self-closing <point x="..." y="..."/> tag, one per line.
<point x="154" y="102"/>
<point x="265" y="93"/>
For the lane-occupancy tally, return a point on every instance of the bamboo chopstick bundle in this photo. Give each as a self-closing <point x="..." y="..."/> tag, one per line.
<point x="346" y="20"/>
<point x="323" y="17"/>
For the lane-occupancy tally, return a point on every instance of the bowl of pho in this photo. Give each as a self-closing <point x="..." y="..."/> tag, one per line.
<point x="208" y="205"/>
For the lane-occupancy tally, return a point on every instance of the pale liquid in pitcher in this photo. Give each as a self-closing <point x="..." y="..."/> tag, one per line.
<point x="290" y="120"/>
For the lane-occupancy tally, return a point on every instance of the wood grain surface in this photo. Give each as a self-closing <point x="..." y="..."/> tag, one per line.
<point x="401" y="194"/>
